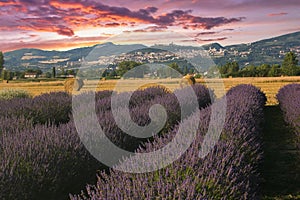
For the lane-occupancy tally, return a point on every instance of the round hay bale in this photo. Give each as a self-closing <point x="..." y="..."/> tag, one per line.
<point x="155" y="85"/>
<point x="187" y="80"/>
<point x="73" y="84"/>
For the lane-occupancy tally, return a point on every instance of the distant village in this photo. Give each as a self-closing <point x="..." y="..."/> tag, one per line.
<point x="65" y="67"/>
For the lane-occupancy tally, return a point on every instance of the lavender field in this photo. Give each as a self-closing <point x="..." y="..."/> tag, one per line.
<point x="44" y="157"/>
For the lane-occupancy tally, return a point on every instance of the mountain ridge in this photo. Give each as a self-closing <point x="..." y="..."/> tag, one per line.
<point x="270" y="51"/>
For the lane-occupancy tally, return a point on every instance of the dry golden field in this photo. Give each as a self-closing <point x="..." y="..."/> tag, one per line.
<point x="35" y="88"/>
<point x="269" y="85"/>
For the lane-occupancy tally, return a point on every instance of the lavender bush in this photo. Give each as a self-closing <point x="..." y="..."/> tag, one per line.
<point x="289" y="101"/>
<point x="103" y="94"/>
<point x="42" y="162"/>
<point x="229" y="171"/>
<point x="139" y="112"/>
<point x="137" y="98"/>
<point x="10" y="125"/>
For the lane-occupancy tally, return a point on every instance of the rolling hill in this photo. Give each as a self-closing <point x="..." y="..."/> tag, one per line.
<point x="269" y="51"/>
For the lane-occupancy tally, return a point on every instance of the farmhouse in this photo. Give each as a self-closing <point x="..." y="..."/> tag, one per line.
<point x="30" y="75"/>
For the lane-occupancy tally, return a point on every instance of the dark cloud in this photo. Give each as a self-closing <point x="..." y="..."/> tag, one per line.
<point x="205" y="40"/>
<point x="148" y="10"/>
<point x="32" y="2"/>
<point x="114" y="24"/>
<point x="42" y="24"/>
<point x="189" y="40"/>
<point x="206" y="33"/>
<point x="213" y="32"/>
<point x="211" y="22"/>
<point x="62" y="30"/>
<point x="142" y="14"/>
<point x="213" y="39"/>
<point x="172" y="17"/>
<point x="152" y="9"/>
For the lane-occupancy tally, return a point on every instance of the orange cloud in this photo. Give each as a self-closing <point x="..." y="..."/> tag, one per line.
<point x="67" y="5"/>
<point x="8" y="3"/>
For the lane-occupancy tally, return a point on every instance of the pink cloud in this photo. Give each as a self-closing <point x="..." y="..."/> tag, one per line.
<point x="277" y="14"/>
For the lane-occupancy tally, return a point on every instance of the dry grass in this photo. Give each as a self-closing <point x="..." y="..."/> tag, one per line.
<point x="269" y="85"/>
<point x="35" y="88"/>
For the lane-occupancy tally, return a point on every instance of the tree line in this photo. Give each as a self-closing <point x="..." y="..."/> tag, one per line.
<point x="125" y="69"/>
<point x="288" y="67"/>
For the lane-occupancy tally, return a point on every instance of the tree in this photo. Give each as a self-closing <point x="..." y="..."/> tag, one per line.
<point x="185" y="70"/>
<point x="223" y="69"/>
<point x="17" y="74"/>
<point x="63" y="72"/>
<point x="112" y="74"/>
<point x="38" y="71"/>
<point x="192" y="70"/>
<point x="233" y="67"/>
<point x="289" y="64"/>
<point x="71" y="72"/>
<point x="275" y="71"/>
<point x="6" y="75"/>
<point x="53" y="72"/>
<point x="48" y="75"/>
<point x="174" y="74"/>
<point x="1" y="61"/>
<point x="248" y="71"/>
<point x="229" y="69"/>
<point x="126" y="66"/>
<point x="263" y="70"/>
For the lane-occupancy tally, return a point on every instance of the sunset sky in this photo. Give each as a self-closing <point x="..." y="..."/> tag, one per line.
<point x="67" y="24"/>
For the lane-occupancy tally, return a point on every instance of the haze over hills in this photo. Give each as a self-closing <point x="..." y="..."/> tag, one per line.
<point x="269" y="51"/>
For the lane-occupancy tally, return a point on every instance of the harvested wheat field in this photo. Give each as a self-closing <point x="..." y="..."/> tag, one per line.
<point x="269" y="85"/>
<point x="35" y="88"/>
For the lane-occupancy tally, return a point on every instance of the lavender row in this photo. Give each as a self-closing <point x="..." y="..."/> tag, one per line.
<point x="139" y="114"/>
<point x="229" y="171"/>
<point x="137" y="98"/>
<point x="52" y="107"/>
<point x="289" y="101"/>
<point x="56" y="107"/>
